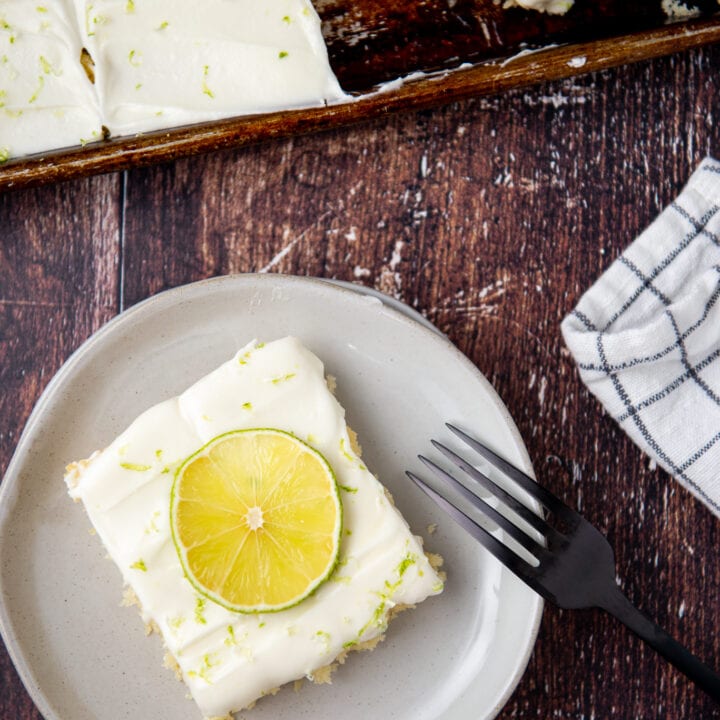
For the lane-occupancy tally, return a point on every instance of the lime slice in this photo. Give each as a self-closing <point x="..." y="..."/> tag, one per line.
<point x="256" y="520"/>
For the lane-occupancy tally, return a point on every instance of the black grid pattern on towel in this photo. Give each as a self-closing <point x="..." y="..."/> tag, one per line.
<point x="691" y="372"/>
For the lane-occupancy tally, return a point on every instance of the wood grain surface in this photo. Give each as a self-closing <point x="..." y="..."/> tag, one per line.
<point x="491" y="217"/>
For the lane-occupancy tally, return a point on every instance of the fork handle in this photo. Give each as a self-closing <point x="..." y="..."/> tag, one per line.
<point x="618" y="605"/>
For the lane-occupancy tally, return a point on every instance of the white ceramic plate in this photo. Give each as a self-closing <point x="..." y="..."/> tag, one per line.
<point x="457" y="656"/>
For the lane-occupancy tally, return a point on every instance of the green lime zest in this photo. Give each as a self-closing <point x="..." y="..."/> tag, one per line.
<point x="38" y="90"/>
<point x="282" y="378"/>
<point x="200" y="611"/>
<point x="135" y="467"/>
<point x="207" y="91"/>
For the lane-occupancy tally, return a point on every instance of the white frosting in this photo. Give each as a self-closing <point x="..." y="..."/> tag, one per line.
<point x="172" y="62"/>
<point x="46" y="99"/>
<point x="126" y="492"/>
<point x="679" y="10"/>
<point x="553" y="7"/>
<point x="158" y="64"/>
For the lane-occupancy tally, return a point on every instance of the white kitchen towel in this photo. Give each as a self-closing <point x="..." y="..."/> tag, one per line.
<point x="646" y="337"/>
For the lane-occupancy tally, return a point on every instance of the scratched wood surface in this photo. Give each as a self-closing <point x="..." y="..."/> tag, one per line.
<point x="491" y="217"/>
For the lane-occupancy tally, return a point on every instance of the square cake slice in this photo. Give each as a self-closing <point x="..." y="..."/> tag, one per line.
<point x="230" y="658"/>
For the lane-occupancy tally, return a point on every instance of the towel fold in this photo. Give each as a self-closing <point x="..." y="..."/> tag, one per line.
<point x="646" y="337"/>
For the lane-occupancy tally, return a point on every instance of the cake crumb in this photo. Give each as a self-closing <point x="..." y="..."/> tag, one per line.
<point x="354" y="443"/>
<point x="323" y="675"/>
<point x="432" y="528"/>
<point x="297" y="685"/>
<point x="436" y="561"/>
<point x="171" y="663"/>
<point x="74" y="470"/>
<point x="388" y="496"/>
<point x="331" y="382"/>
<point x="129" y="598"/>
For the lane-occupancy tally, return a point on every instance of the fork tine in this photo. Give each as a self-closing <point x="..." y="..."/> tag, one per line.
<point x="513" y="503"/>
<point x="526" y="572"/>
<point x="507" y="525"/>
<point x="550" y="501"/>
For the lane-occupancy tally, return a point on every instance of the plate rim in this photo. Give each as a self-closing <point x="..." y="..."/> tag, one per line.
<point x="167" y="297"/>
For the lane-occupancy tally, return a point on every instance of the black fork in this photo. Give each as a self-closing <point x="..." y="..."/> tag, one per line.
<point x="575" y="565"/>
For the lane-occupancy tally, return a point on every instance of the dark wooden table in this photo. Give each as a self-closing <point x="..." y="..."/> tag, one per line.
<point x="491" y="217"/>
